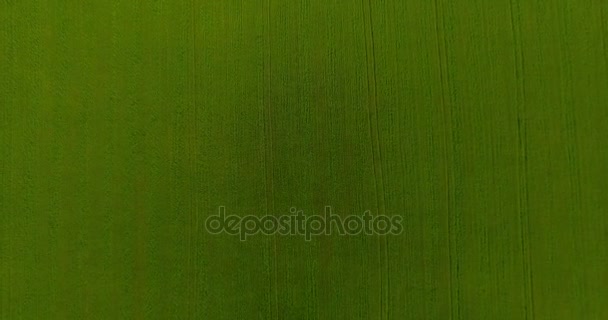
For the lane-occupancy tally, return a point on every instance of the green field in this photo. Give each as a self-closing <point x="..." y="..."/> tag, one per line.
<point x="125" y="124"/>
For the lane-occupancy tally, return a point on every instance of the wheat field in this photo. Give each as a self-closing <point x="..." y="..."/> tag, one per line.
<point x="124" y="125"/>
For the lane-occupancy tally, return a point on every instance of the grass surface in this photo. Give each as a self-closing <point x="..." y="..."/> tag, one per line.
<point x="125" y="124"/>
